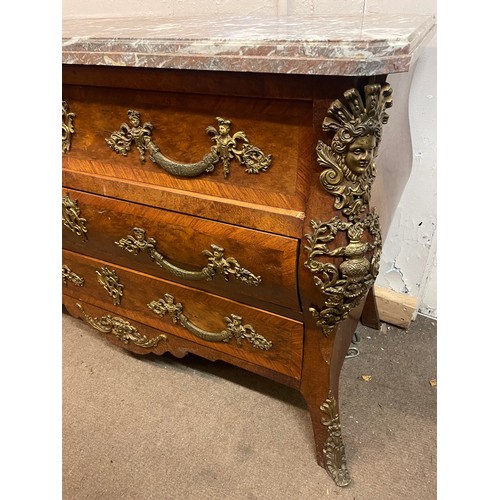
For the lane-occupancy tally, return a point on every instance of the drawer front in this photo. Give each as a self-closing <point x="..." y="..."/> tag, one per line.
<point x="260" y="149"/>
<point x="245" y="264"/>
<point x="241" y="331"/>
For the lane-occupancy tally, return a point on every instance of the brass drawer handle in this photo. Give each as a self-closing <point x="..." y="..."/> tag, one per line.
<point x="234" y="325"/>
<point x="217" y="263"/>
<point x="121" y="329"/>
<point x="224" y="149"/>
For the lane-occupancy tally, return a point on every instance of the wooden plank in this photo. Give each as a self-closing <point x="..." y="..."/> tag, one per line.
<point x="395" y="308"/>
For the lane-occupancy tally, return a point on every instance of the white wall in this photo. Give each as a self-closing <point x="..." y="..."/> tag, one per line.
<point x="408" y="263"/>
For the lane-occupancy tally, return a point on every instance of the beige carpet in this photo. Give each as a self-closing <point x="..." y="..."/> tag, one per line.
<point x="161" y="428"/>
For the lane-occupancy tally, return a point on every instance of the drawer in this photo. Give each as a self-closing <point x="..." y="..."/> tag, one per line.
<point x="248" y="265"/>
<point x="244" y="332"/>
<point x="185" y="128"/>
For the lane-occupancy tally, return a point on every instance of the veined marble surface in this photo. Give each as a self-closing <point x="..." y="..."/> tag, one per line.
<point x="348" y="45"/>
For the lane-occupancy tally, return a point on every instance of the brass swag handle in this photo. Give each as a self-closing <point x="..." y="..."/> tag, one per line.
<point x="234" y="325"/>
<point x="217" y="263"/>
<point x="224" y="149"/>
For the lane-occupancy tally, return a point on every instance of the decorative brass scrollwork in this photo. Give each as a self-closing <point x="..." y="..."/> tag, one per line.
<point x="111" y="283"/>
<point x="69" y="275"/>
<point x="68" y="128"/>
<point x="234" y="325"/>
<point x="71" y="217"/>
<point x="217" y="263"/>
<point x="121" y="329"/>
<point x="226" y="148"/>
<point x="334" y="451"/>
<point x="349" y="174"/>
<point x="349" y="161"/>
<point x="346" y="284"/>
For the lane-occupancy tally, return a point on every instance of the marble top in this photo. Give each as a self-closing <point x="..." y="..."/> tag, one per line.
<point x="352" y="45"/>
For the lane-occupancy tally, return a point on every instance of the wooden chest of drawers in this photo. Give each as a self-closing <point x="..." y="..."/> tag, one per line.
<point x="214" y="209"/>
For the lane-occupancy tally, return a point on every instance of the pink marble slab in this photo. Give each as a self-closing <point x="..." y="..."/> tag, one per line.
<point x="351" y="45"/>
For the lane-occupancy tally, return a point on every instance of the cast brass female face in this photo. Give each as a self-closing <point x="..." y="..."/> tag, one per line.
<point x="360" y="154"/>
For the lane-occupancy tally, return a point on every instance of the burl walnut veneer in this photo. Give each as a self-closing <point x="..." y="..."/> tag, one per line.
<point x="220" y="195"/>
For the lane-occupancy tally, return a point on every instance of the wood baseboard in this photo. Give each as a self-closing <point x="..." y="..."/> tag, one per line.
<point x="395" y="308"/>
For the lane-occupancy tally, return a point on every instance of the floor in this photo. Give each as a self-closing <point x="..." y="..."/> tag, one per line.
<point x="162" y="428"/>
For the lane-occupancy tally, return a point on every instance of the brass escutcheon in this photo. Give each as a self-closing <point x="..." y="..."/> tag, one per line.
<point x="71" y="217"/>
<point x="69" y="275"/>
<point x="108" y="279"/>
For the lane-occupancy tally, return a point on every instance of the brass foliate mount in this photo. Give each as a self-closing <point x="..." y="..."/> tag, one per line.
<point x="348" y="176"/>
<point x="225" y="148"/>
<point x="68" y="128"/>
<point x="69" y="276"/>
<point x="345" y="284"/>
<point x="234" y="325"/>
<point x="121" y="329"/>
<point x="71" y="217"/>
<point x="109" y="280"/>
<point x="217" y="262"/>
<point x="334" y="451"/>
